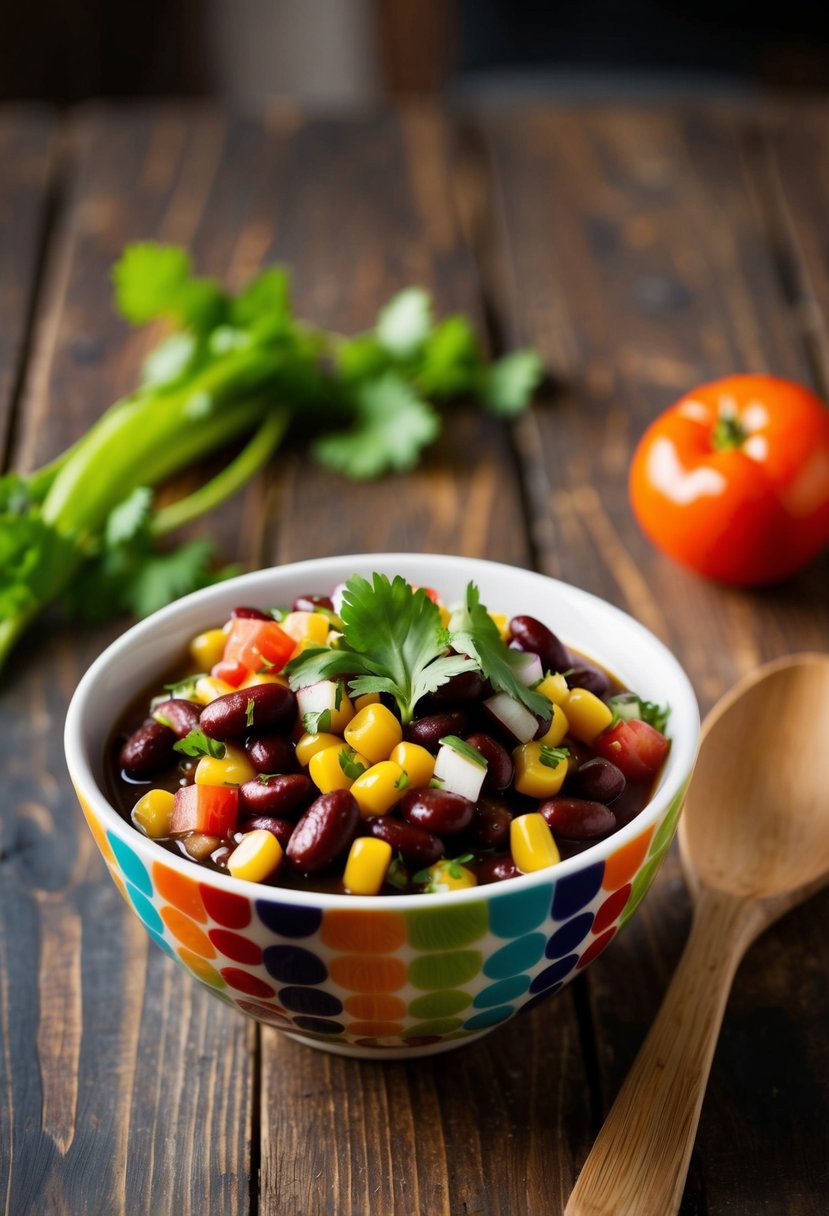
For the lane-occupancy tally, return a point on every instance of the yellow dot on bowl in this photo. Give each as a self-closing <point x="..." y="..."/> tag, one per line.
<point x="201" y="968"/>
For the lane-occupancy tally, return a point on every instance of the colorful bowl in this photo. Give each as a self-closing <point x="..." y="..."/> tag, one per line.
<point x="385" y="977"/>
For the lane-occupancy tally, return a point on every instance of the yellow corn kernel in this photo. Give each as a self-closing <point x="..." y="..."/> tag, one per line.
<point x="256" y="857"/>
<point x="554" y="688"/>
<point x="368" y="698"/>
<point x="306" y="626"/>
<point x="207" y="649"/>
<point x="208" y="688"/>
<point x="416" y="762"/>
<point x="448" y="875"/>
<point x="587" y="715"/>
<point x="536" y="774"/>
<point x="264" y="677"/>
<point x="341" y="717"/>
<point x="336" y="767"/>
<point x="152" y="813"/>
<point x="557" y="729"/>
<point x="233" y="768"/>
<point x="379" y="787"/>
<point x="531" y="843"/>
<point x="309" y="745"/>
<point x="502" y="623"/>
<point x="374" y="731"/>
<point x="367" y="865"/>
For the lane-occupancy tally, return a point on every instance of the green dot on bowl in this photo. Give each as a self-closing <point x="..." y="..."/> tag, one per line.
<point x="445" y="970"/>
<point x="439" y="1004"/>
<point x="447" y="928"/>
<point x="436" y="1026"/>
<point x="640" y="886"/>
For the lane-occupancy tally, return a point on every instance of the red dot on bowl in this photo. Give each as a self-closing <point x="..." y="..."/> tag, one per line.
<point x="243" y="981"/>
<point x="240" y="949"/>
<point x="233" y="911"/>
<point x="595" y="948"/>
<point x="611" y="909"/>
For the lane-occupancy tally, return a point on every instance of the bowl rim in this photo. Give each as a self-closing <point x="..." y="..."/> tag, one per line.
<point x="677" y="769"/>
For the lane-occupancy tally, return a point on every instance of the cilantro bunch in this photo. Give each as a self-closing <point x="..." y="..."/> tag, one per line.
<point x="85" y="529"/>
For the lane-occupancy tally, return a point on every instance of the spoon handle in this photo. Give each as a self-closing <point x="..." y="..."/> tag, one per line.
<point x="639" y="1162"/>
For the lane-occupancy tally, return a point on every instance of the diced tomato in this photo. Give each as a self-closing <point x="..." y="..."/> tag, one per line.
<point x="635" y="747"/>
<point x="233" y="674"/>
<point x="258" y="645"/>
<point x="212" y="809"/>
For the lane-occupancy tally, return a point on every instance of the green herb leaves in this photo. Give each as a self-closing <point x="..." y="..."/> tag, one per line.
<point x="197" y="743"/>
<point x="393" y="642"/>
<point x="474" y="633"/>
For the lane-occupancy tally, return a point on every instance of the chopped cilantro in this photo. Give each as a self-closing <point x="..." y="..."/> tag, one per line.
<point x="197" y="743"/>
<point x="316" y="721"/>
<point x="402" y="781"/>
<point x="551" y="757"/>
<point x="351" y="767"/>
<point x="465" y="749"/>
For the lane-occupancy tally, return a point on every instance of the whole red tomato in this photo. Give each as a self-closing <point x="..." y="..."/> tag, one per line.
<point x="733" y="480"/>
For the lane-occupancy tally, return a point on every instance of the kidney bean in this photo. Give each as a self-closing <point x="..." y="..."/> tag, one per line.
<point x="499" y="762"/>
<point x="282" y="829"/>
<point x="495" y="869"/>
<point x="429" y="731"/>
<point x="250" y="614"/>
<point x="418" y="848"/>
<point x="283" y="794"/>
<point x="271" y="753"/>
<point x="531" y="635"/>
<point x="598" y="780"/>
<point x="180" y="715"/>
<point x="324" y="832"/>
<point x="490" y="824"/>
<point x="148" y="750"/>
<point x="589" y="677"/>
<point x="308" y="603"/>
<point x="231" y="716"/>
<point x="437" y="811"/>
<point x="578" y="818"/>
<point x="465" y="686"/>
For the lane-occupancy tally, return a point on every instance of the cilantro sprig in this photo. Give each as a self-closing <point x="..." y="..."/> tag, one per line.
<point x="392" y="642"/>
<point x="87" y="531"/>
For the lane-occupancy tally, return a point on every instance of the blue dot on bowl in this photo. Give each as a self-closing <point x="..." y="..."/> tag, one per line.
<point x="489" y="1017"/>
<point x="576" y="891"/>
<point x="318" y="1025"/>
<point x="515" y="957"/>
<point x="569" y="935"/>
<point x="503" y="991"/>
<point x="552" y="974"/>
<point x="539" y="997"/>
<point x="132" y="867"/>
<point x="309" y="1000"/>
<point x="513" y="915"/>
<point x="159" y="941"/>
<point x="147" y="911"/>
<point x="293" y="965"/>
<point x="288" y="920"/>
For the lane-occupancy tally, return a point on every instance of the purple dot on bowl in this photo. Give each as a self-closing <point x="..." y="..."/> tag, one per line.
<point x="539" y="997"/>
<point x="552" y="974"/>
<point x="309" y="1000"/>
<point x="569" y="935"/>
<point x="293" y="965"/>
<point x="319" y="1025"/>
<point x="573" y="892"/>
<point x="287" y="919"/>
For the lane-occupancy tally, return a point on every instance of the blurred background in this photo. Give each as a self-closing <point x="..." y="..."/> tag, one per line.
<point x="346" y="53"/>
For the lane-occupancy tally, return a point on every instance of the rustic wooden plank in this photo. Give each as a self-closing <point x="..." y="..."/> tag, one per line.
<point x="638" y="256"/>
<point x="125" y="1087"/>
<point x="360" y="209"/>
<point x="26" y="153"/>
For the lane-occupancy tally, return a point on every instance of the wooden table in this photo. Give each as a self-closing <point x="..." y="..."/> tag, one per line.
<point x="642" y="252"/>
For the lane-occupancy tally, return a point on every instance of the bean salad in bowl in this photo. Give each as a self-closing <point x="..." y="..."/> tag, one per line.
<point x="384" y="802"/>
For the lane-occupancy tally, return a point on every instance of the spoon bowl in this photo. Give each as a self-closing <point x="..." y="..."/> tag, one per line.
<point x="754" y="841"/>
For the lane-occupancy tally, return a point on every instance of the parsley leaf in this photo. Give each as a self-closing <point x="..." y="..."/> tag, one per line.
<point x="392" y="642"/>
<point x="351" y="767"/>
<point x="403" y="325"/>
<point x="391" y="427"/>
<point x="551" y="757"/>
<point x="316" y="721"/>
<point x="473" y="632"/>
<point x="154" y="281"/>
<point x="510" y="383"/>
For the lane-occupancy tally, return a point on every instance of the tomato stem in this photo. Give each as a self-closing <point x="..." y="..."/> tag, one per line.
<point x="728" y="433"/>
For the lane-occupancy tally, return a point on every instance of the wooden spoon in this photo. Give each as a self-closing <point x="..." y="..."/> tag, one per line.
<point x="754" y="842"/>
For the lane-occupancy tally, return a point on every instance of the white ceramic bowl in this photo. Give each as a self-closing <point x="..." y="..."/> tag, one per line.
<point x="369" y="976"/>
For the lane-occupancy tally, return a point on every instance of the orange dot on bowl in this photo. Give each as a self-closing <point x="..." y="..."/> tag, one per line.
<point x="375" y="1006"/>
<point x="363" y="932"/>
<point x="179" y="890"/>
<point x="368" y="974"/>
<point x="623" y="864"/>
<point x="188" y="933"/>
<point x="200" y="967"/>
<point x="375" y="1029"/>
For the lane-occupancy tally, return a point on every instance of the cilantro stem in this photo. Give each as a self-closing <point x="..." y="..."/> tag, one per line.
<point x="233" y="476"/>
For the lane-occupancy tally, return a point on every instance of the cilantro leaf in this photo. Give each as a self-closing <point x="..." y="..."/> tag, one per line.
<point x="551" y="757"/>
<point x="264" y="304"/>
<point x="451" y="360"/>
<point x="393" y="642"/>
<point x="170" y="360"/>
<point x="403" y="325"/>
<point x="474" y="633"/>
<point x="154" y="281"/>
<point x="391" y="427"/>
<point x="197" y="743"/>
<point x="510" y="383"/>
